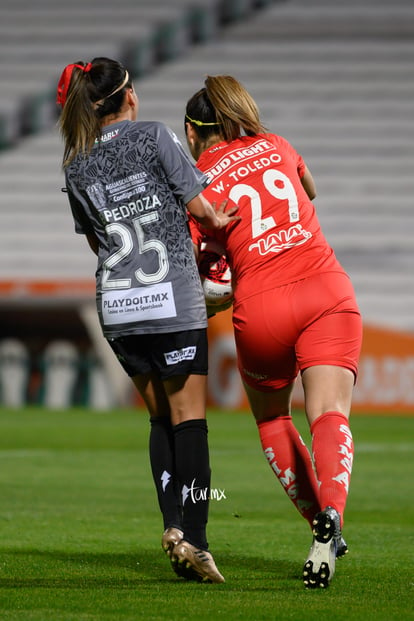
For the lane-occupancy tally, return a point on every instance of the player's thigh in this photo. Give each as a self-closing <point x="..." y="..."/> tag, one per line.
<point x="265" y="338"/>
<point x="187" y="397"/>
<point x="331" y="323"/>
<point x="328" y="348"/>
<point x="152" y="391"/>
<point x="169" y="370"/>
<point x="182" y="360"/>
<point x="180" y="397"/>
<point x="327" y="388"/>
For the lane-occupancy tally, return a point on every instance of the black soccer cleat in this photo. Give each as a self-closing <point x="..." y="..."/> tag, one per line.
<point x="341" y="547"/>
<point x="327" y="544"/>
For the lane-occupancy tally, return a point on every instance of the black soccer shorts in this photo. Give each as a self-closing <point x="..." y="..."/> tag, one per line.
<point x="167" y="354"/>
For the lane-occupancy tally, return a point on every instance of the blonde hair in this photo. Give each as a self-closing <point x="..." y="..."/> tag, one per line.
<point x="227" y="106"/>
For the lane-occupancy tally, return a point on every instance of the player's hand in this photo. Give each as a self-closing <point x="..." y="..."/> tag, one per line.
<point x="225" y="216"/>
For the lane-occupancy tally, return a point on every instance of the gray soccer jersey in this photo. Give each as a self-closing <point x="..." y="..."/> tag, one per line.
<point x="131" y="192"/>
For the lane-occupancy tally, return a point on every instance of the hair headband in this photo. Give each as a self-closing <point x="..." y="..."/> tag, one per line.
<point x="118" y="88"/>
<point x="65" y="78"/>
<point x="199" y="123"/>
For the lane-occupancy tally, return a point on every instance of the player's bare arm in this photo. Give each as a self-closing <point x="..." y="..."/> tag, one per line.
<point x="309" y="184"/>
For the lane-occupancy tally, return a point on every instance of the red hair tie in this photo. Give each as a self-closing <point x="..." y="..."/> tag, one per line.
<point x="65" y="78"/>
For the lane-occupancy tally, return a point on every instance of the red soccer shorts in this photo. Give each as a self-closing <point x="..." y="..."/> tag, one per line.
<point x="290" y="328"/>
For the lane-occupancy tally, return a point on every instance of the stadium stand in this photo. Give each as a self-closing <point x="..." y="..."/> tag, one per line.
<point x="334" y="78"/>
<point x="36" y="40"/>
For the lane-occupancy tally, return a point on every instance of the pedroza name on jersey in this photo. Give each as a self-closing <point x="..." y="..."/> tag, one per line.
<point x="133" y="208"/>
<point x="125" y="190"/>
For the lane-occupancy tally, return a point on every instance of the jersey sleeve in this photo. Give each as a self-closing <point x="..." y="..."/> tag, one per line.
<point x="279" y="141"/>
<point x="300" y="163"/>
<point x="185" y="180"/>
<point x="83" y="225"/>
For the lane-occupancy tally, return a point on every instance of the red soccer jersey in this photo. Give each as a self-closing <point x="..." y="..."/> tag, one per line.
<point x="279" y="239"/>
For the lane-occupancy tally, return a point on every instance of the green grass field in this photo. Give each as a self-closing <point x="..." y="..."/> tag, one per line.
<point x="81" y="529"/>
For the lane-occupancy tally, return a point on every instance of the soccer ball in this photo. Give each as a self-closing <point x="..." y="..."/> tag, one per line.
<point x="215" y="274"/>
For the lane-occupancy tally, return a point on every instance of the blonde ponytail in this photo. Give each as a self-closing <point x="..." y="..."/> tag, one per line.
<point x="235" y="108"/>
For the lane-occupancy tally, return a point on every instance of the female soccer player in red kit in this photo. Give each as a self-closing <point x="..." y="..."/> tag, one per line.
<point x="294" y="307"/>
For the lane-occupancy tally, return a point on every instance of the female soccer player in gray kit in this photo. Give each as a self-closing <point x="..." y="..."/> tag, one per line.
<point x="130" y="185"/>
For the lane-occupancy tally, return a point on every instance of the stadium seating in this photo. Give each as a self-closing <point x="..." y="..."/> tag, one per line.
<point x="39" y="38"/>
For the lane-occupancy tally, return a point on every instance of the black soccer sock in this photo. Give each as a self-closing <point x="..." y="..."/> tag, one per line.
<point x="193" y="472"/>
<point x="162" y="458"/>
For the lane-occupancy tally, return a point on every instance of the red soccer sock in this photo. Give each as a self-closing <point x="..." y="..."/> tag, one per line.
<point x="291" y="462"/>
<point x="333" y="452"/>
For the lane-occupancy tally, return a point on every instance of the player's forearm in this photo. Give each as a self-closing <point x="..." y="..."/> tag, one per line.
<point x="203" y="212"/>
